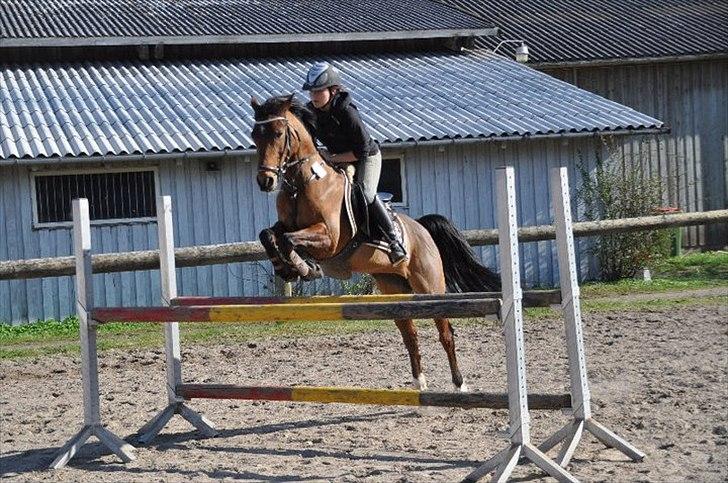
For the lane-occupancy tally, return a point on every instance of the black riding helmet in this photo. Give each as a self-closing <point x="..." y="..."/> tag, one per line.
<point x="320" y="76"/>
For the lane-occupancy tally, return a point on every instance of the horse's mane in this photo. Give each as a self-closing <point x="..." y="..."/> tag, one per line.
<point x="274" y="106"/>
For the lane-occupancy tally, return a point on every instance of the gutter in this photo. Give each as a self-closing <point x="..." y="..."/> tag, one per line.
<point x="523" y="137"/>
<point x="229" y="153"/>
<point x="627" y="60"/>
<point x="128" y="158"/>
<point x="246" y="39"/>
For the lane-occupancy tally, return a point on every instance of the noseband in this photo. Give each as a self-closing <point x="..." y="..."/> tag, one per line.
<point x="285" y="163"/>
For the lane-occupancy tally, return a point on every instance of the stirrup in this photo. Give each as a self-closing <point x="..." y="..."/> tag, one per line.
<point x="397" y="254"/>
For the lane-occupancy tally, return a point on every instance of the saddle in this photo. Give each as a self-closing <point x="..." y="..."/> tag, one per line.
<point x="354" y="206"/>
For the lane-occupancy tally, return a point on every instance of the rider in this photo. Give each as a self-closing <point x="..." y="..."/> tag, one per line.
<point x="340" y="128"/>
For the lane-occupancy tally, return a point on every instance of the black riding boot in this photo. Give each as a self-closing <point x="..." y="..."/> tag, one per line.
<point x="379" y="217"/>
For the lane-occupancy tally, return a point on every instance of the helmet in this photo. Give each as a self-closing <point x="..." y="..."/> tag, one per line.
<point x="320" y="76"/>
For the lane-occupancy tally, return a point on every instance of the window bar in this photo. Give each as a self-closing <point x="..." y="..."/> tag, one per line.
<point x="39" y="198"/>
<point x="39" y="201"/>
<point x="96" y="188"/>
<point x="62" y="208"/>
<point x="48" y="206"/>
<point x="53" y="212"/>
<point x="56" y="203"/>
<point x="106" y="194"/>
<point x="152" y="193"/>
<point x="98" y="178"/>
<point x="112" y="194"/>
<point x="132" y="194"/>
<point x="143" y="193"/>
<point x="127" y="184"/>
<point x="135" y="192"/>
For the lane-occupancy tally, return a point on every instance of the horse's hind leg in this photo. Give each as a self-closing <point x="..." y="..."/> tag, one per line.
<point x="393" y="284"/>
<point x="409" y="335"/>
<point x="448" y="343"/>
<point x="429" y="281"/>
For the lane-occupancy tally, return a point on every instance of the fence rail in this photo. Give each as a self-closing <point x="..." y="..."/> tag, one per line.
<point x="253" y="251"/>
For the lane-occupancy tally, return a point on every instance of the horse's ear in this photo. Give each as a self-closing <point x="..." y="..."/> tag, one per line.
<point x="288" y="102"/>
<point x="254" y="103"/>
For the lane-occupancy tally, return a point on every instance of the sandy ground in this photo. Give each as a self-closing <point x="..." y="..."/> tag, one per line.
<point x="658" y="378"/>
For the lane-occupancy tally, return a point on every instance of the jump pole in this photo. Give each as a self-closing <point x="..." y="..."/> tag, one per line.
<point x="502" y="464"/>
<point x="531" y="298"/>
<point x="358" y="395"/>
<point x="582" y="420"/>
<point x="168" y="272"/>
<point x="89" y="360"/>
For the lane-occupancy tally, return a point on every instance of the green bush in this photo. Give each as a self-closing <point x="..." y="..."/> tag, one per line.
<point x="615" y="189"/>
<point x="361" y="285"/>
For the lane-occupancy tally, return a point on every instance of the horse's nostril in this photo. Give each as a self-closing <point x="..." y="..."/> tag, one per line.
<point x="265" y="182"/>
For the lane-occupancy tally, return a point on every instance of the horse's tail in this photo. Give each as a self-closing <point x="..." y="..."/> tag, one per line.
<point x="463" y="272"/>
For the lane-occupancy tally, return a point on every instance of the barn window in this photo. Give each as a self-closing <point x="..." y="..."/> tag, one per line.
<point x="113" y="196"/>
<point x="392" y="179"/>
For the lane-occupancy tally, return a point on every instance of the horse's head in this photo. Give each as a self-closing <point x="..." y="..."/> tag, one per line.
<point x="280" y="138"/>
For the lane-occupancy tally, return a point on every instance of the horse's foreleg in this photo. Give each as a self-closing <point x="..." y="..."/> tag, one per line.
<point x="269" y="239"/>
<point x="312" y="238"/>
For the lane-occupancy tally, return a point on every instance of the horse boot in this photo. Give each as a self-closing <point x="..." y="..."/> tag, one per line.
<point x="379" y="217"/>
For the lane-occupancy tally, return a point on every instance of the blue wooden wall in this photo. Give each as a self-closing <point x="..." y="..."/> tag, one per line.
<point x="226" y="206"/>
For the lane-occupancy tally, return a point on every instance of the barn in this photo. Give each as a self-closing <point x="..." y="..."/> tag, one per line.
<point x="120" y="101"/>
<point x="665" y="58"/>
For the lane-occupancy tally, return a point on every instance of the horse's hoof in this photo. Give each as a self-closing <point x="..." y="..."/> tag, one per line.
<point x="288" y="276"/>
<point x="314" y="271"/>
<point x="420" y="383"/>
<point x="463" y="388"/>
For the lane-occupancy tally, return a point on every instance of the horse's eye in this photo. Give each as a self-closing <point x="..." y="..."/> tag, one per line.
<point x="277" y="134"/>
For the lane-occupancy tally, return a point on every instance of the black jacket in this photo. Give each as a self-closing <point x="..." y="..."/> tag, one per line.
<point x="341" y="129"/>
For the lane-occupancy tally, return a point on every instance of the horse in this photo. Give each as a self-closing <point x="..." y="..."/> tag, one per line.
<point x="311" y="221"/>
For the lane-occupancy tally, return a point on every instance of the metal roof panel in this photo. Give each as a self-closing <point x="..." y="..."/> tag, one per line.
<point x="176" y="106"/>
<point x="584" y="30"/>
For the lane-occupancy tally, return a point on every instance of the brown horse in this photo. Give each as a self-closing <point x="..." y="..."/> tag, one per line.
<point x="311" y="220"/>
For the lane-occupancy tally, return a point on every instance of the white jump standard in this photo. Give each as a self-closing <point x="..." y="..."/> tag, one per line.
<point x="167" y="267"/>
<point x="89" y="358"/>
<point x="571" y="308"/>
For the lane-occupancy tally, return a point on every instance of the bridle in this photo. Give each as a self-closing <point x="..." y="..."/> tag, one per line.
<point x="285" y="162"/>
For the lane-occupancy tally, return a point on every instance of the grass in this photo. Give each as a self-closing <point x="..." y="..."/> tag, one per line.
<point x="689" y="272"/>
<point x="697" y="266"/>
<point x="692" y="271"/>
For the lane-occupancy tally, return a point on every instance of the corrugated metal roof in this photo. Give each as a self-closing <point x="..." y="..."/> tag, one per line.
<point x="576" y="30"/>
<point x="162" y="107"/>
<point x="94" y="19"/>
